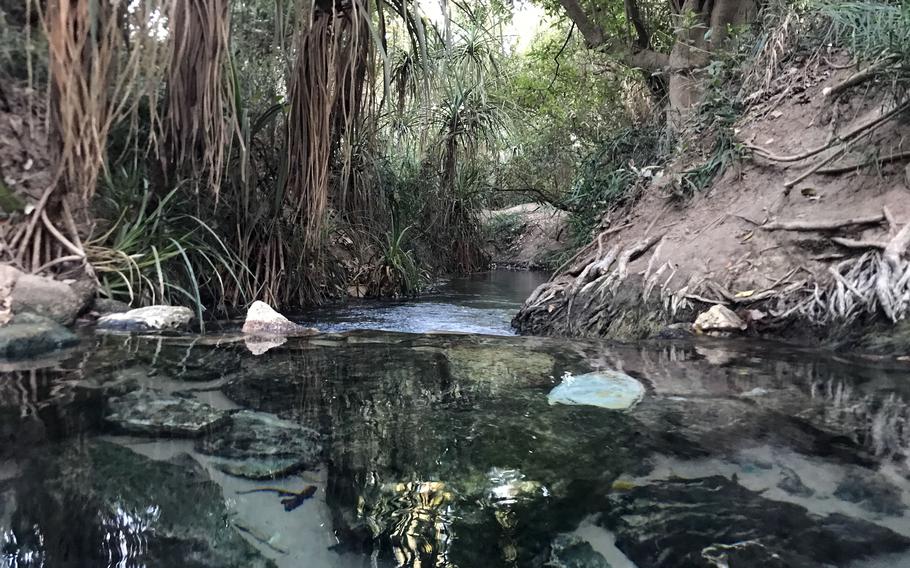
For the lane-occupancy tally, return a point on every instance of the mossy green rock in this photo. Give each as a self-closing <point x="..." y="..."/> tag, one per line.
<point x="503" y="366"/>
<point x="154" y="413"/>
<point x="124" y="509"/>
<point x="256" y="445"/>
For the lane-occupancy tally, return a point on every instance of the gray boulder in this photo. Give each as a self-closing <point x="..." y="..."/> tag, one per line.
<point x="261" y="319"/>
<point x="149" y="318"/>
<point x="719" y="319"/>
<point x="29" y="334"/>
<point x="155" y="413"/>
<point x="46" y="297"/>
<point x="256" y="445"/>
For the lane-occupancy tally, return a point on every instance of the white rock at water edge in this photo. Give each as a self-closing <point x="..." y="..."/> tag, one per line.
<point x="606" y="389"/>
<point x="719" y="318"/>
<point x="149" y="318"/>
<point x="262" y="319"/>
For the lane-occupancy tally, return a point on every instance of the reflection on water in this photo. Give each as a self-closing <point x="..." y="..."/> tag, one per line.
<point x="443" y="451"/>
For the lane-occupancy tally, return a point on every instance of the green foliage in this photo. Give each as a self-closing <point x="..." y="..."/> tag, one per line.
<point x="23" y="51"/>
<point x="871" y="29"/>
<point x="610" y="176"/>
<point x="874" y="31"/>
<point x="505" y="227"/>
<point x="565" y="106"/>
<point x="154" y="250"/>
<point x="396" y="273"/>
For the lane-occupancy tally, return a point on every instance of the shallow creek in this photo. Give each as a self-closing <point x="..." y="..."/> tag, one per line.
<point x="421" y="434"/>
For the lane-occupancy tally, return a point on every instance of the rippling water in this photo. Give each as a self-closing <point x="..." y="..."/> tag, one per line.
<point x="435" y="449"/>
<point x="483" y="303"/>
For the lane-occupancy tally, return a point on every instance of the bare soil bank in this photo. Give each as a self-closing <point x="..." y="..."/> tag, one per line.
<point x="798" y="241"/>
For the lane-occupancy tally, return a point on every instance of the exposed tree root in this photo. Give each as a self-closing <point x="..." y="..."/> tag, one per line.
<point x="822" y="225"/>
<point x="876" y="280"/>
<point x="876" y="283"/>
<point x="865" y="128"/>
<point x="837" y="170"/>
<point x="858" y="244"/>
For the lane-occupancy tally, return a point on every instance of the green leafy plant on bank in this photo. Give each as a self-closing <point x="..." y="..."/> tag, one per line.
<point x="397" y="272"/>
<point x="610" y="177"/>
<point x="153" y="250"/>
<point x="877" y="33"/>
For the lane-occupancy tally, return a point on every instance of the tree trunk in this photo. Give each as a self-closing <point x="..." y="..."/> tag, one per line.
<point x="694" y="45"/>
<point x="702" y="27"/>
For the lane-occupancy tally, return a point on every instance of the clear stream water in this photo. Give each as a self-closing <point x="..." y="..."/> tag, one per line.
<point x="420" y="434"/>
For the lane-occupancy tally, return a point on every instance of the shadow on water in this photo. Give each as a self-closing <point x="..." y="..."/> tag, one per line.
<point x="443" y="450"/>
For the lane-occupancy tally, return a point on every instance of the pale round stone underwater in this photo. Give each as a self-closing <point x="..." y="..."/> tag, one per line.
<point x="605" y="389"/>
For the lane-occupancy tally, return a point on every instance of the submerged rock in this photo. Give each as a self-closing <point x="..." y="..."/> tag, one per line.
<point x="697" y="522"/>
<point x="606" y="389"/>
<point x="149" y="318"/>
<point x="871" y="491"/>
<point x="155" y="413"/>
<point x="261" y="319"/>
<point x="499" y="366"/>
<point x="256" y="445"/>
<point x="509" y="486"/>
<point x="719" y="319"/>
<point x="99" y="504"/>
<point x="792" y="484"/>
<point x="191" y="362"/>
<point x="29" y="334"/>
<point x="570" y="551"/>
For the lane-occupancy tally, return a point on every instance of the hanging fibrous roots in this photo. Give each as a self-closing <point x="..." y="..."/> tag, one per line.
<point x="326" y="101"/>
<point x="200" y="119"/>
<point x="102" y="57"/>
<point x="876" y="282"/>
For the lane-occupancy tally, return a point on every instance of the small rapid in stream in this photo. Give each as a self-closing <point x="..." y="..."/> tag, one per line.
<point x="421" y="433"/>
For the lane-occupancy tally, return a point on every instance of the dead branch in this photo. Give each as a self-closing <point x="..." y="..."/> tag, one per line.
<point x="840" y="152"/>
<point x="822" y="225"/>
<point x="858" y="78"/>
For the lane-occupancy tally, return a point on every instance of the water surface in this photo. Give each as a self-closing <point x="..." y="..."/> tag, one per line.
<point x="442" y="450"/>
<point x="483" y="303"/>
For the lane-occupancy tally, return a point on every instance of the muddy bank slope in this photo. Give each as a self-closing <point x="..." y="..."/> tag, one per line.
<point x="796" y="239"/>
<point x="528" y="236"/>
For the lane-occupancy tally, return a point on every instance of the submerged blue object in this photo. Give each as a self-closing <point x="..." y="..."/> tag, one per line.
<point x="606" y="389"/>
